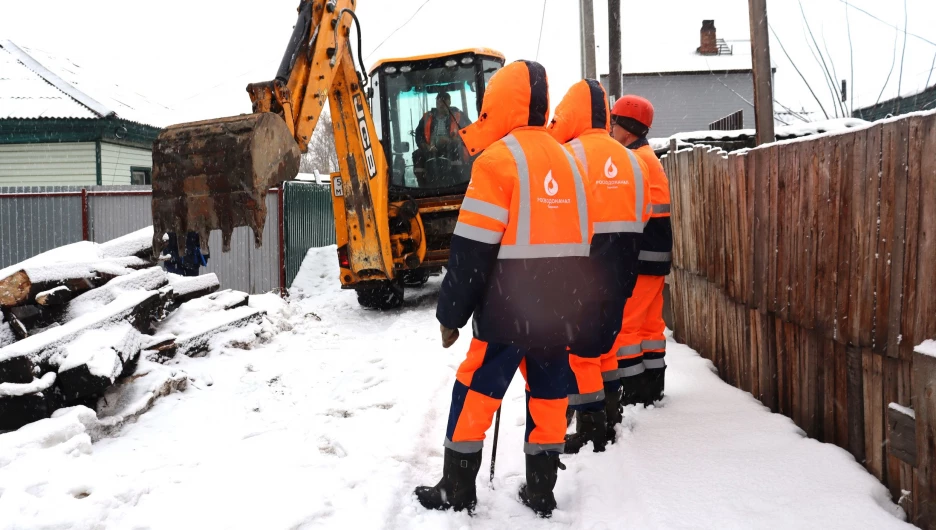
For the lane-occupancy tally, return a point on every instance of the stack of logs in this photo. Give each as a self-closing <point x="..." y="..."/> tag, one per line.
<point x="71" y="329"/>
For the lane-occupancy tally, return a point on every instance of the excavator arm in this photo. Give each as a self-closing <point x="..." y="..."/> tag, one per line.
<point x="215" y="174"/>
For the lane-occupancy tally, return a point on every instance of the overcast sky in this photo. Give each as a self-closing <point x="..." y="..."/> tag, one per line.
<point x="196" y="56"/>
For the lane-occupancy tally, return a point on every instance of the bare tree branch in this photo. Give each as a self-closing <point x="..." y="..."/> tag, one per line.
<point x="836" y="80"/>
<point x="903" y="54"/>
<point x="851" y="58"/>
<point x="821" y="107"/>
<point x="821" y="59"/>
<point x="886" y="81"/>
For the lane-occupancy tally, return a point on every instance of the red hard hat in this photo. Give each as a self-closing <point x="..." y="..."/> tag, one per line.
<point x="635" y="108"/>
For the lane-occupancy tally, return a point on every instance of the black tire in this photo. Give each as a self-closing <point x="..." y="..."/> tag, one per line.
<point x="415" y="278"/>
<point x="388" y="295"/>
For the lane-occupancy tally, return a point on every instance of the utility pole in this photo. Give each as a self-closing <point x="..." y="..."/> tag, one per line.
<point x="614" y="48"/>
<point x="587" y="29"/>
<point x="763" y="73"/>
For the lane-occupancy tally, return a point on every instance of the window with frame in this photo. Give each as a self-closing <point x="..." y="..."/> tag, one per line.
<point x="141" y="176"/>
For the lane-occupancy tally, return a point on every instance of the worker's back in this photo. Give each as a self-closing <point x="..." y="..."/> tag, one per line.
<point x="619" y="199"/>
<point x="519" y="257"/>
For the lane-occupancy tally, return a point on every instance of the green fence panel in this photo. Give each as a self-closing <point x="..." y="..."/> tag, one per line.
<point x="308" y="221"/>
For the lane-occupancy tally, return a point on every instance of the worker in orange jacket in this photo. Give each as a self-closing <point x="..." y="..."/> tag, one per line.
<point x="519" y="259"/>
<point x="620" y="198"/>
<point x="641" y="345"/>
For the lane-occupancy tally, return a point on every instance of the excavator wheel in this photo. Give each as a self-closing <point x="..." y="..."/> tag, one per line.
<point x="415" y="278"/>
<point x="387" y="295"/>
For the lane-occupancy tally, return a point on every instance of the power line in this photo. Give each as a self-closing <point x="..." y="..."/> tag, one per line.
<point x="410" y="19"/>
<point x="847" y="4"/>
<point x="540" y="40"/>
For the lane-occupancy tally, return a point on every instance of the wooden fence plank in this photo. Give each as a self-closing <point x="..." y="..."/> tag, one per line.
<point x="868" y="221"/>
<point x="892" y="232"/>
<point x="924" y="405"/>
<point x="807" y="312"/>
<point x="907" y="334"/>
<point x="747" y="228"/>
<point x="759" y="177"/>
<point x="924" y="323"/>
<point x="779" y="288"/>
<point x="827" y="244"/>
<point x="772" y="232"/>
<point x="855" y="391"/>
<point x="846" y="237"/>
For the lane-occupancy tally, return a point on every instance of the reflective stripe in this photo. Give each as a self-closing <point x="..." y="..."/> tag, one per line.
<point x="631" y="371"/>
<point x="557" y="250"/>
<point x="486" y="209"/>
<point x="523" y="172"/>
<point x="608" y="227"/>
<point x="581" y="399"/>
<point x="654" y="364"/>
<point x="638" y="185"/>
<point x="612" y="375"/>
<point x="648" y="255"/>
<point x="580" y="197"/>
<point x="633" y="349"/>
<point x="535" y="449"/>
<point x="660" y="208"/>
<point x="653" y="345"/>
<point x="463" y="447"/>
<point x="580" y="153"/>
<point x="482" y="235"/>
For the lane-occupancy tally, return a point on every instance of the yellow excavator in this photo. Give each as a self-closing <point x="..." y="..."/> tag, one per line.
<point x="394" y="217"/>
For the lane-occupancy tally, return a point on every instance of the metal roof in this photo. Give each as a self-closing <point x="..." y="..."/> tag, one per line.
<point x="34" y="84"/>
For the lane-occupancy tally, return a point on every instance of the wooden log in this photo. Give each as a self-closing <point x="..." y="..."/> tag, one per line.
<point x="22" y="403"/>
<point x="924" y="406"/>
<point x="23" y="286"/>
<point x="140" y="308"/>
<point x="197" y="343"/>
<point x="190" y="288"/>
<point x="56" y="296"/>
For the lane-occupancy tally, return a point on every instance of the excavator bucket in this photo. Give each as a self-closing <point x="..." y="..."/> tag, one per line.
<point x="215" y="174"/>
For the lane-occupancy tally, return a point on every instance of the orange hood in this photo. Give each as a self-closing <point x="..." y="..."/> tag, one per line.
<point x="517" y="96"/>
<point x="584" y="107"/>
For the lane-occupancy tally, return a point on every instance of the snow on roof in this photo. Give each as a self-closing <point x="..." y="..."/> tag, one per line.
<point x="681" y="56"/>
<point x="790" y="131"/>
<point x="35" y="84"/>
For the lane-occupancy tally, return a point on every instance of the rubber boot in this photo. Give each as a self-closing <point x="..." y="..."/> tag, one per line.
<point x="541" y="474"/>
<point x="633" y="389"/>
<point x="456" y="490"/>
<point x="590" y="426"/>
<point x="614" y="413"/>
<point x="654" y="381"/>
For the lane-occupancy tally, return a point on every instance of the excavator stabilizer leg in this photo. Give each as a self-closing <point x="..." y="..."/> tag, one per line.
<point x="215" y="174"/>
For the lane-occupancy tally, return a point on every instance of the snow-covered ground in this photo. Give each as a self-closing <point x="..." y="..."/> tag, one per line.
<point x="333" y="422"/>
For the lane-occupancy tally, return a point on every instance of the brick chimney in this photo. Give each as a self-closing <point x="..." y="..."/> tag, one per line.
<point x="709" y="46"/>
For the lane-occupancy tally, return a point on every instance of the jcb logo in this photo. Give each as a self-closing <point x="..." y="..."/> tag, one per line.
<point x="365" y="136"/>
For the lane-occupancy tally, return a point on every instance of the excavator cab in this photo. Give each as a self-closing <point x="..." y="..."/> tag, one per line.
<point x="418" y="105"/>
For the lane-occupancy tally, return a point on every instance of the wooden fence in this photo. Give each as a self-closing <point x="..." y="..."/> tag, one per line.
<point x="806" y="271"/>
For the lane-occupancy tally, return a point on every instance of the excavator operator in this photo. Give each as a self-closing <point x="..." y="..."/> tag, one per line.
<point x="437" y="135"/>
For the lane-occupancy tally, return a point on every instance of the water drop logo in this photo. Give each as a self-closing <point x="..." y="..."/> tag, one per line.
<point x="550" y="185"/>
<point x="611" y="171"/>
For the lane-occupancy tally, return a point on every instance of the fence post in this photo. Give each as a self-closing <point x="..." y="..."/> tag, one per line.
<point x="924" y="406"/>
<point x="280" y="202"/>
<point x="85" y="228"/>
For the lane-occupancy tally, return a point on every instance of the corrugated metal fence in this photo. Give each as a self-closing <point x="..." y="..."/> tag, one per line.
<point x="308" y="223"/>
<point x="36" y="219"/>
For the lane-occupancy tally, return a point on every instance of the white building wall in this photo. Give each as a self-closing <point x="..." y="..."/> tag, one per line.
<point x="116" y="161"/>
<point x="58" y="164"/>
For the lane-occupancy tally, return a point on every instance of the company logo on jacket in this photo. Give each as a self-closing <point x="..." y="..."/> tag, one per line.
<point x="551" y="187"/>
<point x="611" y="172"/>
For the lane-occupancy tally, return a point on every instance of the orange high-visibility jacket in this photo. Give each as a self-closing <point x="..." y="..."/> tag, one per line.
<point x="620" y="207"/>
<point x="656" y="250"/>
<point x="521" y="244"/>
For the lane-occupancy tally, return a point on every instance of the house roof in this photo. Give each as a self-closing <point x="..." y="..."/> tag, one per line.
<point x="680" y="56"/>
<point x="34" y="84"/>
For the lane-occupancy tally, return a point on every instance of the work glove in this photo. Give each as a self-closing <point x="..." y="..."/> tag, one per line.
<point x="449" y="336"/>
